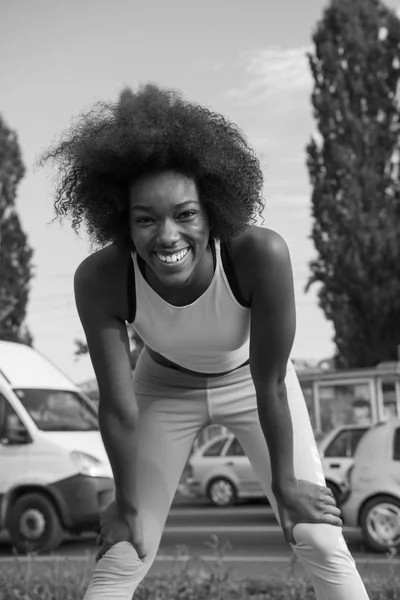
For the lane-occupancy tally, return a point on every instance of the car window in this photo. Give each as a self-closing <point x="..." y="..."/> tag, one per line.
<point x="355" y="437"/>
<point x="345" y="443"/>
<point x="235" y="449"/>
<point x="396" y="445"/>
<point x="58" y="410"/>
<point x="9" y="420"/>
<point x="215" y="448"/>
<point x="339" y="446"/>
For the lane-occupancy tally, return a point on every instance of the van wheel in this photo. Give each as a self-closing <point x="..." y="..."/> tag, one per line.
<point x="33" y="524"/>
<point x="380" y="523"/>
<point x="222" y="492"/>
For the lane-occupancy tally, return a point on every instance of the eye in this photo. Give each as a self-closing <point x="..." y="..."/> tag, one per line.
<point x="144" y="220"/>
<point x="188" y="214"/>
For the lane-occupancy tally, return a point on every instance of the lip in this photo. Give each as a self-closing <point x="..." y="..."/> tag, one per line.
<point x="169" y="253"/>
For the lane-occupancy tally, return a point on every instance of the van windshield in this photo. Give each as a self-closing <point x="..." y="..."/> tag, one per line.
<point x="57" y="410"/>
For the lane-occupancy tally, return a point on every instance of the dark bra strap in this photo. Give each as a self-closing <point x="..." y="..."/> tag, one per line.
<point x="141" y="264"/>
<point x="230" y="273"/>
<point x="131" y="290"/>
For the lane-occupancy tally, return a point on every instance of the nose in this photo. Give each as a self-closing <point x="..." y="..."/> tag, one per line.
<point x="167" y="233"/>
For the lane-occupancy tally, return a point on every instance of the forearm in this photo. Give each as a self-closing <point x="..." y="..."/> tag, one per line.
<point x="276" y="423"/>
<point x="119" y="434"/>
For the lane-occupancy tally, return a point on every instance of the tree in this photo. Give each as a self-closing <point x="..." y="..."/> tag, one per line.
<point x="354" y="172"/>
<point x="15" y="252"/>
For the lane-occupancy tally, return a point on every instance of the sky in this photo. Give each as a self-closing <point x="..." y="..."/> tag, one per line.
<point x="245" y="59"/>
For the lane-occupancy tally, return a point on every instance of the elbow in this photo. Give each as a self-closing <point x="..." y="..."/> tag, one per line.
<point x="270" y="388"/>
<point x="268" y="372"/>
<point x="125" y="415"/>
<point x="269" y="382"/>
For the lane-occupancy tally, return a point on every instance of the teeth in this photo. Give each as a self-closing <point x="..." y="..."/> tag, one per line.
<point x="173" y="258"/>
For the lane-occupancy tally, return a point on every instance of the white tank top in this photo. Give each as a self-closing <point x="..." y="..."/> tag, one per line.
<point x="210" y="335"/>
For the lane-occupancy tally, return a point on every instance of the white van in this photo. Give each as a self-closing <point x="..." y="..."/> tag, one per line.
<point x="55" y="476"/>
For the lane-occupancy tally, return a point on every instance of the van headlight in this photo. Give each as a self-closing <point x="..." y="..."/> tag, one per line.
<point x="87" y="464"/>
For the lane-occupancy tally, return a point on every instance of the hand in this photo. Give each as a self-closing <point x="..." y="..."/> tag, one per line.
<point x="305" y="502"/>
<point x="117" y="525"/>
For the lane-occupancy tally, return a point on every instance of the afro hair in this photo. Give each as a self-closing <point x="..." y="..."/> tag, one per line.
<point x="151" y="130"/>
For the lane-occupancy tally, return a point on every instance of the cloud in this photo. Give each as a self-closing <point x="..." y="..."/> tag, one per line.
<point x="273" y="72"/>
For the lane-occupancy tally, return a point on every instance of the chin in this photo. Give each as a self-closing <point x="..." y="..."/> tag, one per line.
<point x="173" y="279"/>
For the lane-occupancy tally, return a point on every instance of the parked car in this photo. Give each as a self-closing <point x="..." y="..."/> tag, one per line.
<point x="55" y="476"/>
<point x="336" y="450"/>
<point x="221" y="471"/>
<point x="373" y="497"/>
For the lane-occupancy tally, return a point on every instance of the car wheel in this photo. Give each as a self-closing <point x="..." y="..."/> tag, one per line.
<point x="33" y="524"/>
<point x="337" y="494"/>
<point x="380" y="523"/>
<point x="222" y="492"/>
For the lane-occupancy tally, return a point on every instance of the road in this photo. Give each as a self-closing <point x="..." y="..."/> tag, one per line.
<point x="256" y="544"/>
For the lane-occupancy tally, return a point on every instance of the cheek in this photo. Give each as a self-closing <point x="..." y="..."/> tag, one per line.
<point x="201" y="227"/>
<point x="137" y="241"/>
<point x="139" y="235"/>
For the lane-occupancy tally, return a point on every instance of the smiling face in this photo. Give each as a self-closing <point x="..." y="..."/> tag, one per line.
<point x="169" y="226"/>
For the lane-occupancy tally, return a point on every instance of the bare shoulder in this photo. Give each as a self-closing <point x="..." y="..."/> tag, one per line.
<point x="101" y="301"/>
<point x="258" y="243"/>
<point x="261" y="256"/>
<point x="101" y="280"/>
<point x="99" y="265"/>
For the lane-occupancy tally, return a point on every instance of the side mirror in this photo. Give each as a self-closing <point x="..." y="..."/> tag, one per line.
<point x="16" y="435"/>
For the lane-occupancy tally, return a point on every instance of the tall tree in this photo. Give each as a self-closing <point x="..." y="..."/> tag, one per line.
<point x="15" y="252"/>
<point x="354" y="172"/>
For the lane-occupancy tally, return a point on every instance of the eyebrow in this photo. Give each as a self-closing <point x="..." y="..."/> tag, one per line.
<point x="151" y="209"/>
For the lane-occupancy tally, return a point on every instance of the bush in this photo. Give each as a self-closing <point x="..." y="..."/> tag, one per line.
<point x="63" y="578"/>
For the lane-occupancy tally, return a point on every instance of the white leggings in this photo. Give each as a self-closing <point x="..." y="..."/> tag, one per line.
<point x="174" y="406"/>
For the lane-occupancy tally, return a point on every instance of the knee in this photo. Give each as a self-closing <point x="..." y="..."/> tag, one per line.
<point x="117" y="574"/>
<point x="321" y="539"/>
<point x="121" y="561"/>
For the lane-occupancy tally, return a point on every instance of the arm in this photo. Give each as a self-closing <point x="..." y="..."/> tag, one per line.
<point x="271" y="337"/>
<point x="108" y="346"/>
<point x="273" y="324"/>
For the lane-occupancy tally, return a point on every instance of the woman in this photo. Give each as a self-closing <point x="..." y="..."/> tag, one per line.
<point x="172" y="191"/>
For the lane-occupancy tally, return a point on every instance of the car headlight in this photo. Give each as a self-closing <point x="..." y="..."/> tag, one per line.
<point x="87" y="464"/>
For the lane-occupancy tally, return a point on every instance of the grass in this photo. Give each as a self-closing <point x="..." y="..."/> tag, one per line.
<point x="66" y="579"/>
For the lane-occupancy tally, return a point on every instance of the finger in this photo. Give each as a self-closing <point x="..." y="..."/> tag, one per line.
<point x="139" y="547"/>
<point x="332" y="520"/>
<point x="328" y="507"/>
<point x="288" y="534"/>
<point x="101" y="552"/>
<point x="330" y="500"/>
<point x="332" y="510"/>
<point x="137" y="540"/>
<point x="105" y="543"/>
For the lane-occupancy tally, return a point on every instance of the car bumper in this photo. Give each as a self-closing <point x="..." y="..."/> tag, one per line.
<point x="195" y="486"/>
<point x="81" y="499"/>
